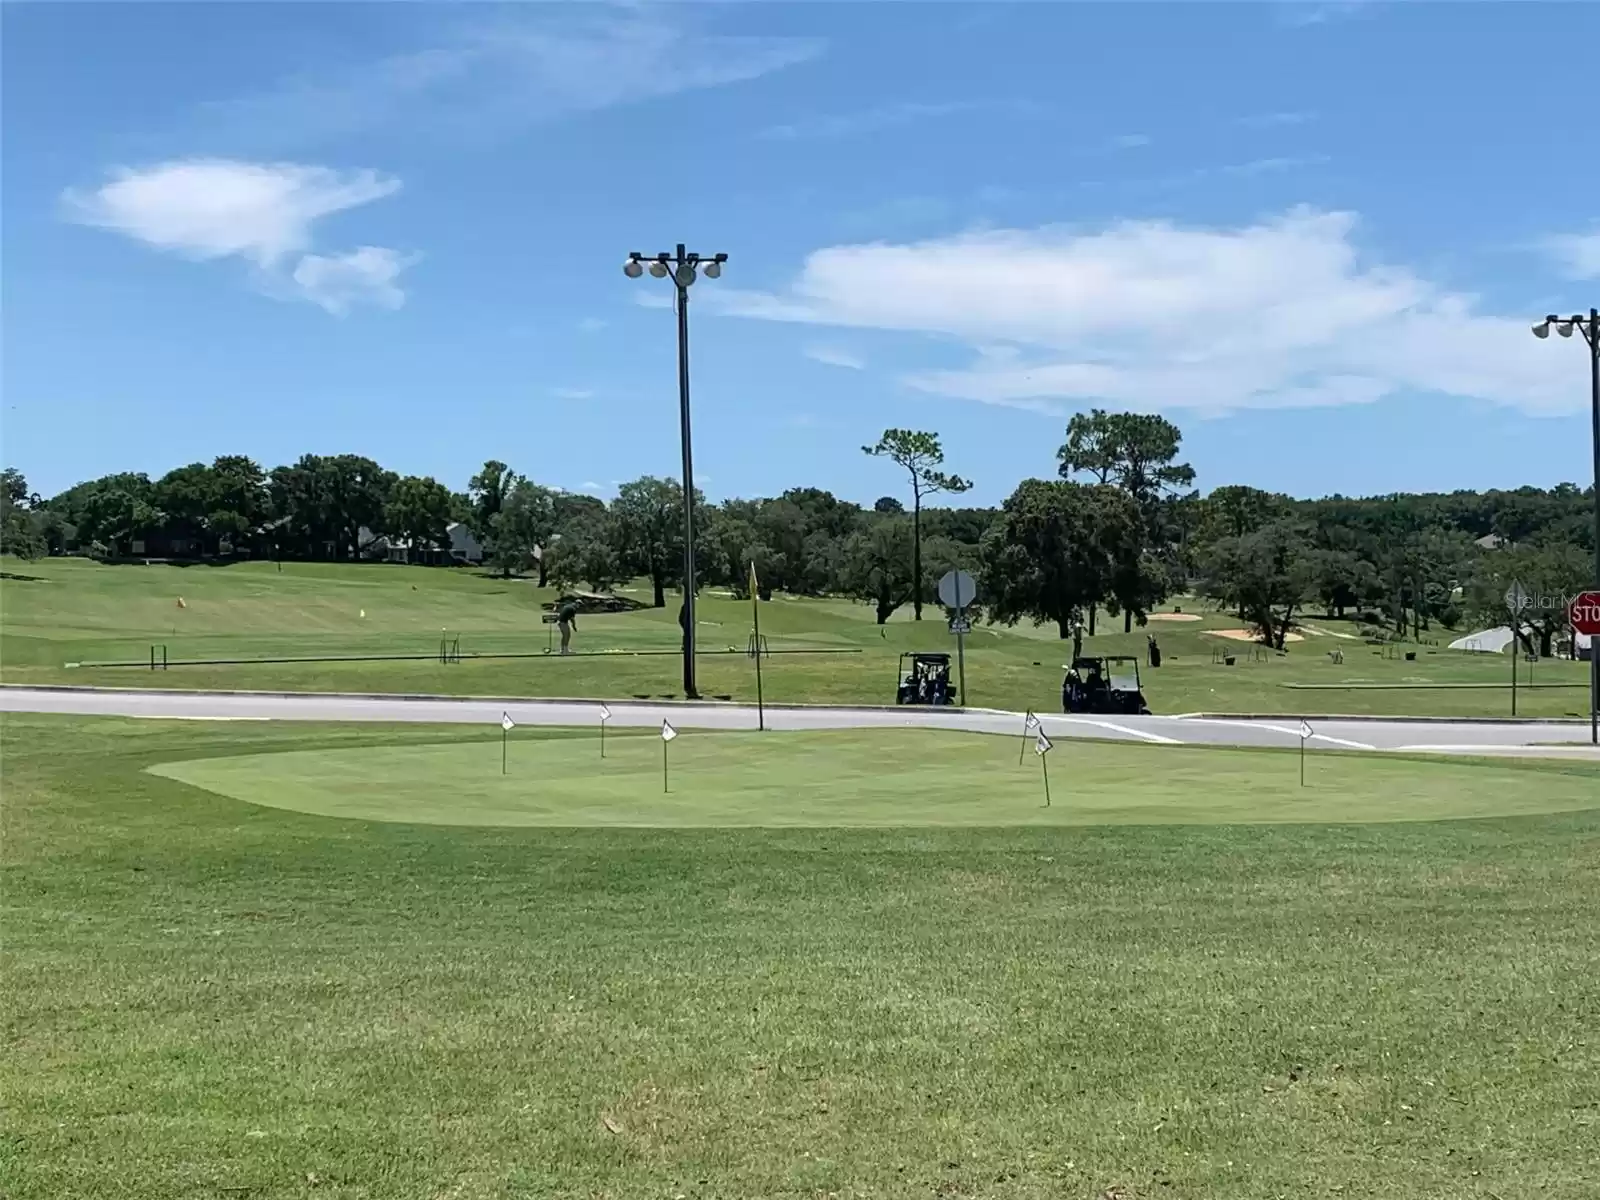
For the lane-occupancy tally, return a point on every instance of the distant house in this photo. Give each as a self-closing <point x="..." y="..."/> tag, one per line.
<point x="1491" y="541"/>
<point x="463" y="547"/>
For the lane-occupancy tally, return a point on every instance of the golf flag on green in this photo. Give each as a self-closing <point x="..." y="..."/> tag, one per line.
<point x="1029" y="724"/>
<point x="1305" y="732"/>
<point x="1042" y="746"/>
<point x="605" y="715"/>
<point x="667" y="734"/>
<point x="506" y="726"/>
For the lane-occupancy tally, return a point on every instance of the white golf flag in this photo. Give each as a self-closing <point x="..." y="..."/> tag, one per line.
<point x="605" y="713"/>
<point x="1032" y="722"/>
<point x="667" y="731"/>
<point x="1305" y="730"/>
<point x="1041" y="744"/>
<point x="506" y="722"/>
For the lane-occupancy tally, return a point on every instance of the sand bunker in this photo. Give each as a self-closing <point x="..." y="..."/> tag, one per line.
<point x="1249" y="635"/>
<point x="1173" y="617"/>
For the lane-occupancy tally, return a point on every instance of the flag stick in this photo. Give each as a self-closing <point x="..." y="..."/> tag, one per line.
<point x="663" y="765"/>
<point x="504" y="735"/>
<point x="1023" y="749"/>
<point x="602" y="737"/>
<point x="1302" y="761"/>
<point x="1044" y="761"/>
<point x="755" y="616"/>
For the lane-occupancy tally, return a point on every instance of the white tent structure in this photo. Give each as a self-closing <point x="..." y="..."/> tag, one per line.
<point x="1495" y="641"/>
<point x="1487" y="641"/>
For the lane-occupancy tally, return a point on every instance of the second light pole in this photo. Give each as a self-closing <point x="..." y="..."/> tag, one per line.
<point x="684" y="268"/>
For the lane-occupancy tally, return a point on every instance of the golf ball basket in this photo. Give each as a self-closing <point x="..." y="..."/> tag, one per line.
<point x="1106" y="686"/>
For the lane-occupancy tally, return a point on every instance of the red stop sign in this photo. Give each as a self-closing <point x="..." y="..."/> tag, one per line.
<point x="1585" y="613"/>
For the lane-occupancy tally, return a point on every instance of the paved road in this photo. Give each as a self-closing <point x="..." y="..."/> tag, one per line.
<point x="1458" y="737"/>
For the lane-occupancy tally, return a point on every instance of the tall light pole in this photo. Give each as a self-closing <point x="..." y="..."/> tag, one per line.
<point x="1590" y="328"/>
<point x="684" y="268"/>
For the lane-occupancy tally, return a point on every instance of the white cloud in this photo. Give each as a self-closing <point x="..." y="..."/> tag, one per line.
<point x="653" y="297"/>
<point x="571" y="393"/>
<point x="834" y="357"/>
<point x="491" y="76"/>
<point x="1274" y="120"/>
<point x="363" y="276"/>
<point x="263" y="213"/>
<point x="1577" y="254"/>
<point x="1281" y="313"/>
<point x="887" y="116"/>
<point x="1130" y="141"/>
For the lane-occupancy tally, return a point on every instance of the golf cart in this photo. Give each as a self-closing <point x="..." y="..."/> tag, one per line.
<point x="1103" y="685"/>
<point x="926" y="680"/>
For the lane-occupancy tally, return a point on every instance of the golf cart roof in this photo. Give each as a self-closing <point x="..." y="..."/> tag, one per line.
<point x="922" y="656"/>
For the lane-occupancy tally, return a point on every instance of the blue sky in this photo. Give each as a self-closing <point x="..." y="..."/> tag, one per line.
<point x="1313" y="235"/>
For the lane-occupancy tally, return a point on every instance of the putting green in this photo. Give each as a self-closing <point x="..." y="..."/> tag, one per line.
<point x="876" y="777"/>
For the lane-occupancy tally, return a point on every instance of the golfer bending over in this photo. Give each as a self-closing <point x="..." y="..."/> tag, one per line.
<point x="567" y="621"/>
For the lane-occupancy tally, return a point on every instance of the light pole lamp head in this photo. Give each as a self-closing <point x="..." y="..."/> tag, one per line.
<point x="1542" y="330"/>
<point x="633" y="268"/>
<point x="1564" y="328"/>
<point x="658" y="269"/>
<point x="684" y="275"/>
<point x="713" y="269"/>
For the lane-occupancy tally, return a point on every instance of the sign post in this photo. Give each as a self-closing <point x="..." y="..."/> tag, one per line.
<point x="667" y="734"/>
<point x="957" y="589"/>
<point x="1584" y="613"/>
<point x="605" y="715"/>
<point x="755" y="617"/>
<point x="1305" y="732"/>
<point x="1516" y="600"/>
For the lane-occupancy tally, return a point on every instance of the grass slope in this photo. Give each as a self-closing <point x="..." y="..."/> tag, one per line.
<point x="74" y="611"/>
<point x="875" y="777"/>
<point x="206" y="997"/>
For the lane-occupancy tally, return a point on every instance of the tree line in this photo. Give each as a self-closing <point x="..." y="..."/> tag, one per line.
<point x="1118" y="528"/>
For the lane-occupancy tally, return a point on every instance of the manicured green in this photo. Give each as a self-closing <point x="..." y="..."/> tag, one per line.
<point x="62" y="611"/>
<point x="211" y="998"/>
<point x="901" y="777"/>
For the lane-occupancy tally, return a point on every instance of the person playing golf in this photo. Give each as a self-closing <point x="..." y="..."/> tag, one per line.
<point x="567" y="621"/>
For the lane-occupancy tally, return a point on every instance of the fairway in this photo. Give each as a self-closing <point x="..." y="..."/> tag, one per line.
<point x="64" y="611"/>
<point x="866" y="777"/>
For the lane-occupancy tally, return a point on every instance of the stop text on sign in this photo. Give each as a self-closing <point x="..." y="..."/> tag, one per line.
<point x="1585" y="613"/>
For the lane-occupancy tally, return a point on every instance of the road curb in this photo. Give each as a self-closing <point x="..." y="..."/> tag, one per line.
<point x="1357" y="718"/>
<point x="441" y="697"/>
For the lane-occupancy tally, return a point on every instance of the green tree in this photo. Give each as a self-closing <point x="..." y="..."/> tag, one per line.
<point x="585" y="551"/>
<point x="920" y="456"/>
<point x="522" y="528"/>
<point x="20" y="527"/>
<point x="418" y="511"/>
<point x="874" y="563"/>
<point x="1134" y="451"/>
<point x="647" y="523"/>
<point x="1055" y="551"/>
<point x="488" y="490"/>
<point x="1266" y="574"/>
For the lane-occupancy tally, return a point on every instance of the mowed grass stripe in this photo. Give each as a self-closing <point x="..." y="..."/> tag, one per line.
<point x="866" y="777"/>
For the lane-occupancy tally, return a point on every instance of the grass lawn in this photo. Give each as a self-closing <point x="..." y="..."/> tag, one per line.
<point x="864" y="777"/>
<point x="62" y="611"/>
<point x="206" y="997"/>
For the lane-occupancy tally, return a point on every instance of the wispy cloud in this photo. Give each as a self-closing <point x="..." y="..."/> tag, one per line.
<point x="1276" y="120"/>
<point x="1282" y="313"/>
<point x="889" y="116"/>
<point x="1130" y="141"/>
<point x="591" y="325"/>
<point x="495" y="75"/>
<point x="834" y="357"/>
<point x="262" y="213"/>
<point x="1300" y="14"/>
<point x="1577" y="255"/>
<point x="572" y="393"/>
